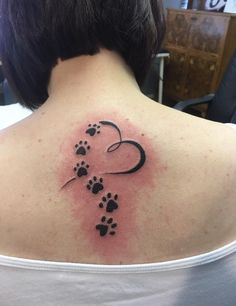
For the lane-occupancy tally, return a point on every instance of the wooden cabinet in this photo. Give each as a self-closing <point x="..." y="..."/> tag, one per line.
<point x="200" y="45"/>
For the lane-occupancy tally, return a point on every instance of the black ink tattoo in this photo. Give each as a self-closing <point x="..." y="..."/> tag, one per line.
<point x="111" y="202"/>
<point x="93" y="129"/>
<point x="141" y="160"/>
<point x="81" y="169"/>
<point x="116" y="146"/>
<point x="108" y="123"/>
<point x="95" y="185"/>
<point x="82" y="148"/>
<point x="106" y="226"/>
<point x="68" y="182"/>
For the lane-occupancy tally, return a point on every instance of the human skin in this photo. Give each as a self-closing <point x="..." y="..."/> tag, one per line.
<point x="180" y="203"/>
<point x="89" y="208"/>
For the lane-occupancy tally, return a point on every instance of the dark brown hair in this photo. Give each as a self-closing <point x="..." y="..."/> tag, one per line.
<point x="35" y="33"/>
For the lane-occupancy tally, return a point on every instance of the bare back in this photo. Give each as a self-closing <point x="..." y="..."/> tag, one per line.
<point x="116" y="186"/>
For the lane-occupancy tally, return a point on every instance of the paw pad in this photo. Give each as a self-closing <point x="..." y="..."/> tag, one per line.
<point x="95" y="185"/>
<point x="110" y="202"/>
<point x="93" y="129"/>
<point x="81" y="169"/>
<point x="106" y="226"/>
<point x="82" y="148"/>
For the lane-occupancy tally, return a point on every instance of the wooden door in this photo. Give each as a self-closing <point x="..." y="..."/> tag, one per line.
<point x="207" y="33"/>
<point x="175" y="72"/>
<point x="196" y="41"/>
<point x="178" y="26"/>
<point x="199" y="75"/>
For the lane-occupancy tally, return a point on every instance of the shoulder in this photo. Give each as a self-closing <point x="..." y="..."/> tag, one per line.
<point x="231" y="125"/>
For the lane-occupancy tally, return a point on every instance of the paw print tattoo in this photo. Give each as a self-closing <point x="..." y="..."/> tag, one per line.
<point x="95" y="185"/>
<point x="82" y="148"/>
<point x="81" y="169"/>
<point x="110" y="202"/>
<point x="106" y="226"/>
<point x="93" y="129"/>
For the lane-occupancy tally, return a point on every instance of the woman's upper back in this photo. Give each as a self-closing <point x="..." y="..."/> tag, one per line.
<point x="116" y="186"/>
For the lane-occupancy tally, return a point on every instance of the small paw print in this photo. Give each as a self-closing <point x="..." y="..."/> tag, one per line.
<point x="82" y="148"/>
<point x="110" y="202"/>
<point x="81" y="169"/>
<point x="95" y="185"/>
<point x="93" y="129"/>
<point x="106" y="226"/>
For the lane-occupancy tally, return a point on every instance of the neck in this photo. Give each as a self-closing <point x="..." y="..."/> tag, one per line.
<point x="86" y="79"/>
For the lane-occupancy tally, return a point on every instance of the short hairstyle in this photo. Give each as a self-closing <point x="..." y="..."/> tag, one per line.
<point x="35" y="33"/>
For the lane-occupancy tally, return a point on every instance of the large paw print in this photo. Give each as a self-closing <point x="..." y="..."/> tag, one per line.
<point x="110" y="202"/>
<point x="81" y="169"/>
<point x="82" y="148"/>
<point x="106" y="226"/>
<point x="95" y="185"/>
<point x="93" y="129"/>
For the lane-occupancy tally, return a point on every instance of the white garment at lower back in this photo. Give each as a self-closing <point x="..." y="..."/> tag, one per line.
<point x="208" y="279"/>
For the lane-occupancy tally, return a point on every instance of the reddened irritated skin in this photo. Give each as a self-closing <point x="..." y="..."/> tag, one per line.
<point x="107" y="164"/>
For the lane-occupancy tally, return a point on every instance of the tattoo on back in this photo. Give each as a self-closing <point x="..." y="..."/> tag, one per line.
<point x="109" y="202"/>
<point x="82" y="148"/>
<point x="81" y="169"/>
<point x="95" y="185"/>
<point x="106" y="226"/>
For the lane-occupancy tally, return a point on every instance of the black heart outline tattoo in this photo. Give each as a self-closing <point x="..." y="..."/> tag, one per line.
<point x="115" y="146"/>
